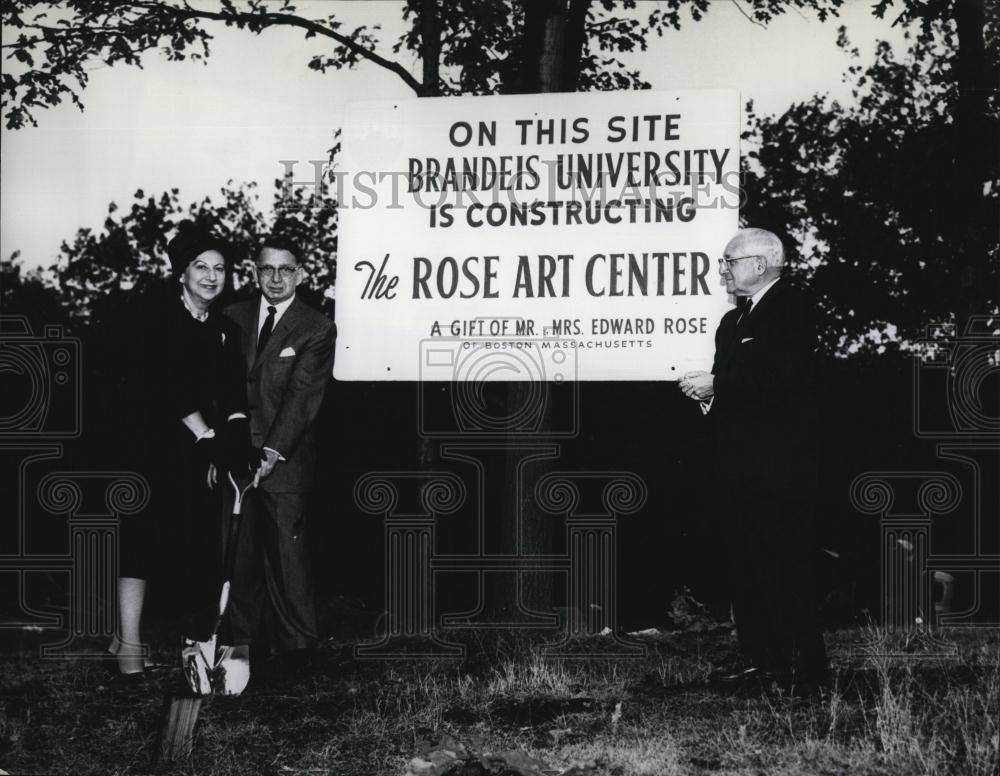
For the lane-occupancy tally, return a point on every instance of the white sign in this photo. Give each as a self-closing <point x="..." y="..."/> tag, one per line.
<point x="535" y="237"/>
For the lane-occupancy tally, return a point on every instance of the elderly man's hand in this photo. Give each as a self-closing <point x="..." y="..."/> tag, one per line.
<point x="699" y="386"/>
<point x="267" y="465"/>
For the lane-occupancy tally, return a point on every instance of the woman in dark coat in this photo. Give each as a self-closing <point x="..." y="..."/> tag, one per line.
<point x="186" y="379"/>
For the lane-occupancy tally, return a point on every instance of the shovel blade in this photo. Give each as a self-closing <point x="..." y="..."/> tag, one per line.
<point x="232" y="670"/>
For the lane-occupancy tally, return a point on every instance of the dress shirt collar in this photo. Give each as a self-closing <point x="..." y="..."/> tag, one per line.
<point x="760" y="294"/>
<point x="279" y="310"/>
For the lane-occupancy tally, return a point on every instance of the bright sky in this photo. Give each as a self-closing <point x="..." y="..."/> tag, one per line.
<point x="194" y="127"/>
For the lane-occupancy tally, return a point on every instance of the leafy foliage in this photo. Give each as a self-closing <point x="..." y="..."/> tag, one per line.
<point x="51" y="44"/>
<point x="96" y="270"/>
<point x="867" y="192"/>
<point x="26" y="293"/>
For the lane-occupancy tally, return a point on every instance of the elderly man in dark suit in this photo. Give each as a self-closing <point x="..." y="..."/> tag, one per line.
<point x="289" y="355"/>
<point x="761" y="395"/>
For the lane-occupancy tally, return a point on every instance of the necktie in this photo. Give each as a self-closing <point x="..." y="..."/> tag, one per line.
<point x="265" y="330"/>
<point x="746" y="311"/>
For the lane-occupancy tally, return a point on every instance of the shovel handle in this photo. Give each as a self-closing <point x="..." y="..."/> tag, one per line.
<point x="239" y="493"/>
<point x="223" y="599"/>
<point x="223" y="603"/>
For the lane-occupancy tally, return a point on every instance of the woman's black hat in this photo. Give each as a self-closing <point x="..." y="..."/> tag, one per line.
<point x="190" y="242"/>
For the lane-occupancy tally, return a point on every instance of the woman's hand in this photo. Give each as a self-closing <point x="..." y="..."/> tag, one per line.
<point x="241" y="457"/>
<point x="213" y="477"/>
<point x="206" y="451"/>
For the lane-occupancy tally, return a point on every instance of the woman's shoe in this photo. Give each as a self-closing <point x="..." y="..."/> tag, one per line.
<point x="133" y="679"/>
<point x="113" y="672"/>
<point x="149" y="663"/>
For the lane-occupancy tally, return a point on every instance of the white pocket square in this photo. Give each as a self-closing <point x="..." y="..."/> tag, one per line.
<point x="746" y="339"/>
<point x="286" y="353"/>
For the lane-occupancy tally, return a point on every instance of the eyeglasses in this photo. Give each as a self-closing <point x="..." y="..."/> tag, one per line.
<point x="284" y="271"/>
<point x="727" y="264"/>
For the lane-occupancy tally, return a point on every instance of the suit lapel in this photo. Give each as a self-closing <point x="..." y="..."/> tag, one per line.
<point x="747" y="327"/>
<point x="284" y="326"/>
<point x="728" y="341"/>
<point x="765" y="304"/>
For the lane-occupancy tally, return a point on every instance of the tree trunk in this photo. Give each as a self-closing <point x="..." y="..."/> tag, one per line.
<point x="430" y="47"/>
<point x="976" y="221"/>
<point x="551" y="44"/>
<point x="576" y="37"/>
<point x="429" y="24"/>
<point x="547" y="59"/>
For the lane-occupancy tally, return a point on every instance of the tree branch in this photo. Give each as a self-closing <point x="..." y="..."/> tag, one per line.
<point x="593" y="27"/>
<point x="60" y="32"/>
<point x="286" y="20"/>
<point x="747" y="16"/>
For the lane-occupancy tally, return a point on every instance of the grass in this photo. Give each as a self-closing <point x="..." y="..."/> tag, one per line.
<point x="508" y="709"/>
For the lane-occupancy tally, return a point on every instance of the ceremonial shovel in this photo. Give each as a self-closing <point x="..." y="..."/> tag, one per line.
<point x="208" y="668"/>
<point x="224" y="671"/>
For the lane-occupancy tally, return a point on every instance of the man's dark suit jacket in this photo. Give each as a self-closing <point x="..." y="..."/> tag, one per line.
<point x="765" y="385"/>
<point x="764" y="409"/>
<point x="286" y="383"/>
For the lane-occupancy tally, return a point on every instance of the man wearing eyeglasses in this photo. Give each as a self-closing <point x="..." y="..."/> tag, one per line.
<point x="761" y="395"/>
<point x="288" y="348"/>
